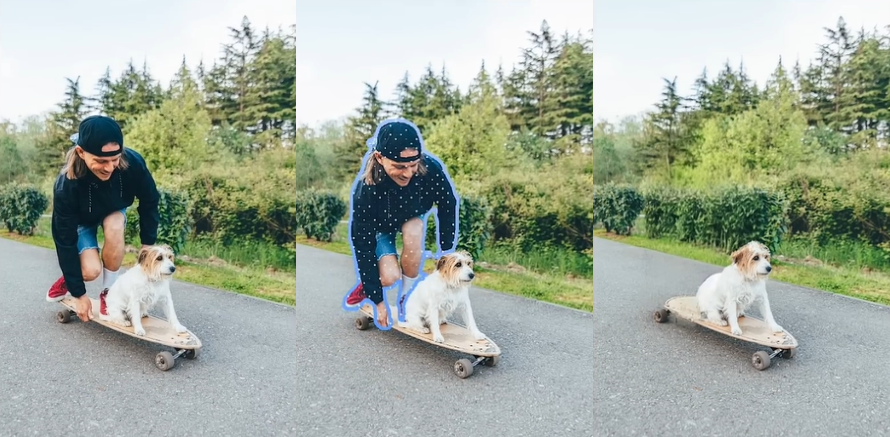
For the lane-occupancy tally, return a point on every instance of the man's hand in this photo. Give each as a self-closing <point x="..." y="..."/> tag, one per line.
<point x="382" y="314"/>
<point x="85" y="308"/>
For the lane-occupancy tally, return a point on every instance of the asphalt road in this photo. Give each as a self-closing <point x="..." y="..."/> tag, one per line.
<point x="384" y="383"/>
<point x="679" y="379"/>
<point x="82" y="379"/>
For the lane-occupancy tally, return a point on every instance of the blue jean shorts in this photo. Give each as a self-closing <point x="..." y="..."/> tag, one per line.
<point x="87" y="236"/>
<point x="386" y="245"/>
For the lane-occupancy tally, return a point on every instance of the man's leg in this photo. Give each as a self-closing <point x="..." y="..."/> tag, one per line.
<point x="387" y="266"/>
<point x="412" y="249"/>
<point x="90" y="265"/>
<point x="112" y="252"/>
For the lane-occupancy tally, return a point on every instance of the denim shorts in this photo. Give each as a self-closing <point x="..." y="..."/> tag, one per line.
<point x="87" y="236"/>
<point x="386" y="245"/>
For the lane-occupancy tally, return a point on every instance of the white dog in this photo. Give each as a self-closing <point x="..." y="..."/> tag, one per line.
<point x="140" y="288"/>
<point x="440" y="295"/>
<point x="726" y="295"/>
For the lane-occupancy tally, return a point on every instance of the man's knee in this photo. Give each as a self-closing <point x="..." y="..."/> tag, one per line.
<point x="412" y="231"/>
<point x="91" y="271"/>
<point x="113" y="226"/>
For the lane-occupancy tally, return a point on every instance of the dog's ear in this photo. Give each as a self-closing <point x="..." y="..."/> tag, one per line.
<point x="440" y="264"/>
<point x="739" y="255"/>
<point x="143" y="253"/>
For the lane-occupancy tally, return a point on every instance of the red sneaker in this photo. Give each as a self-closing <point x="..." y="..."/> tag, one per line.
<point x="57" y="291"/>
<point x="102" y="302"/>
<point x="356" y="297"/>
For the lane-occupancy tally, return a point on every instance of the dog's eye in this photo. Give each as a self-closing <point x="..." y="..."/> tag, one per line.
<point x="457" y="265"/>
<point x="756" y="257"/>
<point x="160" y="258"/>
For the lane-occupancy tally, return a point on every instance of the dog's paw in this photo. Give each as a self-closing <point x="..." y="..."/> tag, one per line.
<point x="478" y="335"/>
<point x="439" y="338"/>
<point x="139" y="331"/>
<point x="736" y="331"/>
<point x="443" y="322"/>
<point x="180" y="329"/>
<point x="776" y="328"/>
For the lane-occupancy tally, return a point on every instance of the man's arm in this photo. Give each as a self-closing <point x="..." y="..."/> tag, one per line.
<point x="446" y="208"/>
<point x="364" y="246"/>
<point x="148" y="195"/>
<point x="64" y="231"/>
<point x="364" y="240"/>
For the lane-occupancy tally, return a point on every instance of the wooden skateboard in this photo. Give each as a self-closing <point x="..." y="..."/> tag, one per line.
<point x="157" y="331"/>
<point x="457" y="338"/>
<point x="754" y="330"/>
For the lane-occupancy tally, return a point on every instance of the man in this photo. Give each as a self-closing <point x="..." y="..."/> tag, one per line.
<point x="97" y="184"/>
<point x="398" y="186"/>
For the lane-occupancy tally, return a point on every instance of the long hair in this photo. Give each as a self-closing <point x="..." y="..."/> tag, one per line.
<point x="75" y="167"/>
<point x="375" y="173"/>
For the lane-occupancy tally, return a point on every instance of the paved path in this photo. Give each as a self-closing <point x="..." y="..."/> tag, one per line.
<point x="384" y="383"/>
<point x="678" y="379"/>
<point x="85" y="380"/>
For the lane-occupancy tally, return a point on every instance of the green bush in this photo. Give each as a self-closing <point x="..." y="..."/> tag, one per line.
<point x="826" y="209"/>
<point x="725" y="217"/>
<point x="175" y="223"/>
<point x="21" y="206"/>
<point x="617" y="207"/>
<point x="235" y="209"/>
<point x="548" y="208"/>
<point x="474" y="226"/>
<point x="318" y="212"/>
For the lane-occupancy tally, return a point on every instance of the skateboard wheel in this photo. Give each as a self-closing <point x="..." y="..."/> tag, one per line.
<point x="164" y="360"/>
<point x="760" y="360"/>
<point x="661" y="316"/>
<point x="192" y="353"/>
<point x="362" y="323"/>
<point x="491" y="361"/>
<point x="789" y="353"/>
<point x="63" y="316"/>
<point x="463" y="368"/>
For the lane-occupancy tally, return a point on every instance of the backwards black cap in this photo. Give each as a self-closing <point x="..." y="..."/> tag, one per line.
<point x="393" y="137"/>
<point x="96" y="131"/>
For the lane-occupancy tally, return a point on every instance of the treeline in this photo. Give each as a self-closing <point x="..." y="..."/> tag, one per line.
<point x="815" y="136"/>
<point x="517" y="143"/>
<point x="219" y="138"/>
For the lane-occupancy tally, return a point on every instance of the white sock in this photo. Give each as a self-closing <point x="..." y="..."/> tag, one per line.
<point x="407" y="283"/>
<point x="108" y="278"/>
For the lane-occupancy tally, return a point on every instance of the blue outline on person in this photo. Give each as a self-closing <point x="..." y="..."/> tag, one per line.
<point x="382" y="213"/>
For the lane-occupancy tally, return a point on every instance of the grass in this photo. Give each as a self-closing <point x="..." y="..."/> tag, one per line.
<point x="849" y="268"/>
<point x="255" y="269"/>
<point x="555" y="276"/>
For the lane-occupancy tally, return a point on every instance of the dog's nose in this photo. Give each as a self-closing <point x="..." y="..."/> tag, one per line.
<point x="769" y="268"/>
<point x="173" y="268"/>
<point x="472" y="275"/>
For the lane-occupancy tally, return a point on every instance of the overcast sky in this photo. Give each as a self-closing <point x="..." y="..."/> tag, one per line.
<point x="639" y="42"/>
<point x="343" y="43"/>
<point x="44" y="41"/>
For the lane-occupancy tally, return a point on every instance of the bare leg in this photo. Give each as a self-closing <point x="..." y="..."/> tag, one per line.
<point x="90" y="265"/>
<point x="412" y="247"/>
<point x="113" y="249"/>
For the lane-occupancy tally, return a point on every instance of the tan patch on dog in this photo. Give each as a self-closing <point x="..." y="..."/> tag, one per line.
<point x="747" y="256"/>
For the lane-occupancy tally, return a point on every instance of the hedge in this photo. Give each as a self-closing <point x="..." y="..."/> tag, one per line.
<point x="725" y="217"/>
<point x="616" y="207"/>
<point x="21" y="206"/>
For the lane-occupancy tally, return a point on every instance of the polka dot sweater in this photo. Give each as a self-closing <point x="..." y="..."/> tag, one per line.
<point x="386" y="206"/>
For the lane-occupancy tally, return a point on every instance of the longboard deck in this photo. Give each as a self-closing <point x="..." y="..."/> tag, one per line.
<point x="457" y="337"/>
<point x="156" y="330"/>
<point x="754" y="330"/>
